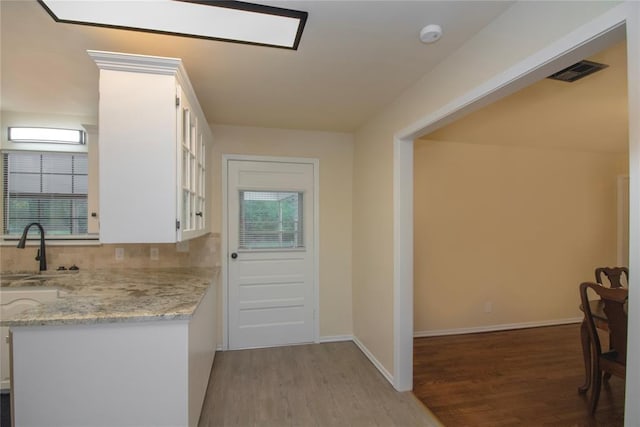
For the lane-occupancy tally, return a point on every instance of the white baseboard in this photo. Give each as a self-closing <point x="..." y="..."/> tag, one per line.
<point x="494" y="328"/>
<point x="328" y="338"/>
<point x="336" y="338"/>
<point x="373" y="360"/>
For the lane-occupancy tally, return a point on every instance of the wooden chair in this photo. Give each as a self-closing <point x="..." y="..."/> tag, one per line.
<point x="614" y="275"/>
<point x="614" y="360"/>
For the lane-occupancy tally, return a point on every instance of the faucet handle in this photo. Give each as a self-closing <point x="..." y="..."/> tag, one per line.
<point x="38" y="255"/>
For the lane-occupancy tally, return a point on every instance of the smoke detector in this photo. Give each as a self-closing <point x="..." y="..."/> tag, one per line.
<point x="431" y="33"/>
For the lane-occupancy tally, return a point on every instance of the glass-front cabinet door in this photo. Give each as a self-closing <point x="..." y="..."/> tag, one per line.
<point x="200" y="179"/>
<point x="193" y="171"/>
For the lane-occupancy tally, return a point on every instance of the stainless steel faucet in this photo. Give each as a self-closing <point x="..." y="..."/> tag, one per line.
<point x="42" y="255"/>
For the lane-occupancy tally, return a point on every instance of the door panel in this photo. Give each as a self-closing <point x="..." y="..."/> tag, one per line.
<point x="270" y="232"/>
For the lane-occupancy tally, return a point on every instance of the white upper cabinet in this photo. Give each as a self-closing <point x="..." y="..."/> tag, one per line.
<point x="152" y="151"/>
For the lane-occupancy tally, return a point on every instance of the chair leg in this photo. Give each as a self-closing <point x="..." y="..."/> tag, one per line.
<point x="588" y="358"/>
<point x="596" y="386"/>
<point x="607" y="375"/>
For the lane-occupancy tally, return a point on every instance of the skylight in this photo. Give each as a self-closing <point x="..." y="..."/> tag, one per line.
<point x="233" y="21"/>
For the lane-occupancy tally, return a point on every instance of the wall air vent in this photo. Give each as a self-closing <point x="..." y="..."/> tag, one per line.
<point x="577" y="71"/>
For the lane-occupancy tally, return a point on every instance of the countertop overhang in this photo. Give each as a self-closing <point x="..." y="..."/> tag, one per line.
<point x="115" y="295"/>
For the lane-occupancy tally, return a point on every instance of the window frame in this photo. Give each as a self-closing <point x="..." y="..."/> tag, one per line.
<point x="244" y="225"/>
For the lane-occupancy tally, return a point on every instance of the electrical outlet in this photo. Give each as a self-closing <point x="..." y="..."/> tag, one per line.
<point x="119" y="254"/>
<point x="154" y="254"/>
<point x="488" y="307"/>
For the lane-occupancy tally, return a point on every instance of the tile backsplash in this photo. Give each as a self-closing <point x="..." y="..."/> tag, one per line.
<point x="200" y="252"/>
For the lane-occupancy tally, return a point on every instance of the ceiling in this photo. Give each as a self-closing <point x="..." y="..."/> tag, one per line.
<point x="589" y="114"/>
<point x="355" y="57"/>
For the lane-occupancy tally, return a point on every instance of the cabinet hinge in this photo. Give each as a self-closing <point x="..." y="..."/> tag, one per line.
<point x="177" y="101"/>
<point x="177" y="224"/>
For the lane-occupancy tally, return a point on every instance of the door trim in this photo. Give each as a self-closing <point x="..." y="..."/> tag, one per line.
<point x="224" y="237"/>
<point x="622" y="219"/>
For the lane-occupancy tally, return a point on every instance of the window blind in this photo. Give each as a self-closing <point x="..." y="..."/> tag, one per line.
<point x="49" y="188"/>
<point x="270" y="220"/>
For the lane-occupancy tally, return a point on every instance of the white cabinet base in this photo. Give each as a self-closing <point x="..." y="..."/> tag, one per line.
<point x="14" y="300"/>
<point x="117" y="374"/>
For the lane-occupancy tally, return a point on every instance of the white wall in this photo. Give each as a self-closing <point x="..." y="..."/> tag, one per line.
<point x="335" y="153"/>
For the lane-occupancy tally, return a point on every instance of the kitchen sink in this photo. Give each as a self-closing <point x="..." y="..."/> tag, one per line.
<point x="6" y="278"/>
<point x="36" y="277"/>
<point x="38" y="294"/>
<point x="14" y="276"/>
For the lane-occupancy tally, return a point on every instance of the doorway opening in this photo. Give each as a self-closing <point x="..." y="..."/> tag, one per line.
<point x="515" y="205"/>
<point x="579" y="44"/>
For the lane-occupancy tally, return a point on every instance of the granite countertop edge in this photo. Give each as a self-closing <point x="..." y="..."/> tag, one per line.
<point x="95" y="320"/>
<point x="115" y="296"/>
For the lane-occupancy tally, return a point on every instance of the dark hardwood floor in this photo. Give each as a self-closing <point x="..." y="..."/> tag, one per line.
<point x="526" y="377"/>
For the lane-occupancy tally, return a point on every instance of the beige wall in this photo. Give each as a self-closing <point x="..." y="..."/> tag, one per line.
<point x="514" y="226"/>
<point x="512" y="37"/>
<point x="335" y="153"/>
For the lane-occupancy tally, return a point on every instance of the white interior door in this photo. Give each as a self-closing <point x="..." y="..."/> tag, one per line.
<point x="270" y="245"/>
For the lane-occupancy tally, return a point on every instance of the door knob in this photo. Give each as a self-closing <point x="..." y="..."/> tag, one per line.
<point x="234" y="255"/>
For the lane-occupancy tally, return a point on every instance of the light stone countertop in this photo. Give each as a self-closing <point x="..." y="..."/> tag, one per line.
<point x="115" y="295"/>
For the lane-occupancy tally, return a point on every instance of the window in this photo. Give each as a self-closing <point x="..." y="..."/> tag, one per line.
<point x="270" y="220"/>
<point x="45" y="187"/>
<point x="47" y="135"/>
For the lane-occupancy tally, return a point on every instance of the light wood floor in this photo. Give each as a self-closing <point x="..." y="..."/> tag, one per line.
<point x="330" y="384"/>
<point x="526" y="377"/>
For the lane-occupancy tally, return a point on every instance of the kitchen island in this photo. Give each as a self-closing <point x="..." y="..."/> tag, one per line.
<point x="116" y="348"/>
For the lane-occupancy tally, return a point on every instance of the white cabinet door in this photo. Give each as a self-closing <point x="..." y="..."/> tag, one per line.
<point x="13" y="301"/>
<point x="137" y="158"/>
<point x="191" y="170"/>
